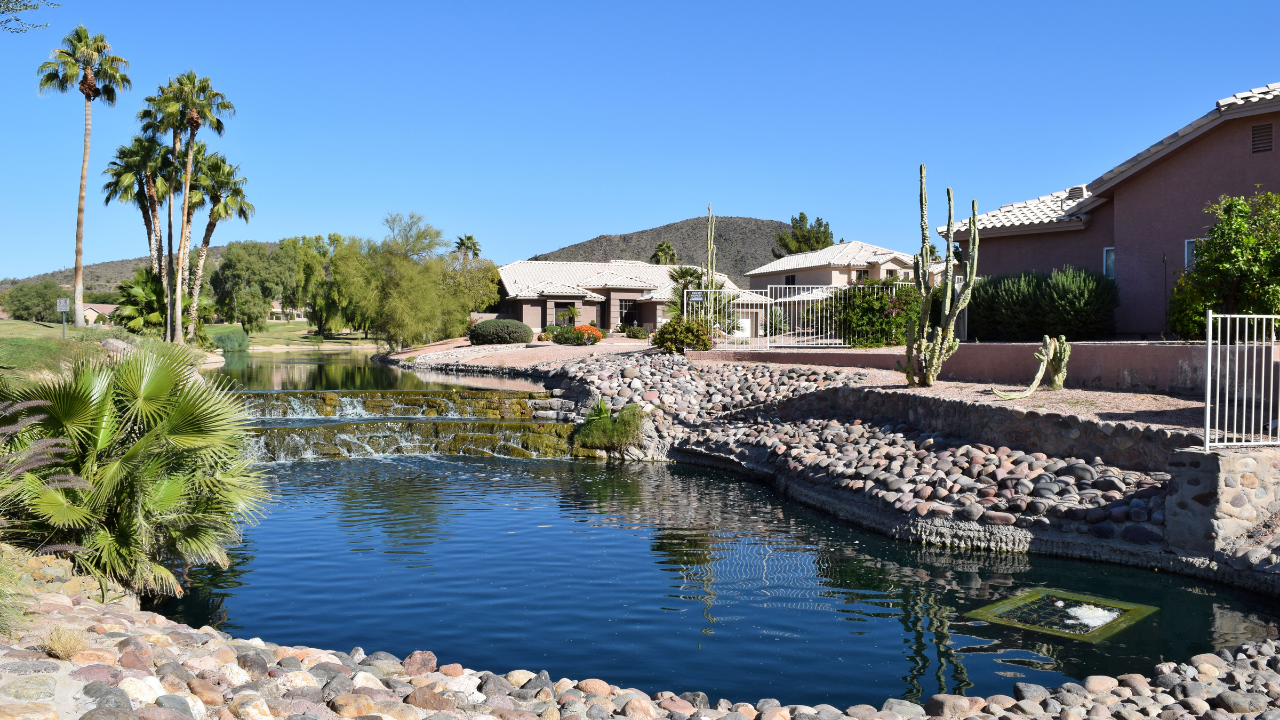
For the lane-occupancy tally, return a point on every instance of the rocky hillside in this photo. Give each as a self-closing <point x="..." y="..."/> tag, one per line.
<point x="741" y="244"/>
<point x="106" y="276"/>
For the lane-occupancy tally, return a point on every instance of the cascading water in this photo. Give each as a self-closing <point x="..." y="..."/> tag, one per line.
<point x="324" y="425"/>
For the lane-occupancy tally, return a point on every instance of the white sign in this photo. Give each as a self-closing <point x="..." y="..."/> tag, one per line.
<point x="64" y="304"/>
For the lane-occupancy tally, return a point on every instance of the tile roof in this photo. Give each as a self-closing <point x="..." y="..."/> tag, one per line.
<point x="849" y="254"/>
<point x="541" y="278"/>
<point x="101" y="308"/>
<point x="1057" y="207"/>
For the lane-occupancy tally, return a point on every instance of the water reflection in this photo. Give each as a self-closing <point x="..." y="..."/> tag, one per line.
<point x="345" y="370"/>
<point x="667" y="577"/>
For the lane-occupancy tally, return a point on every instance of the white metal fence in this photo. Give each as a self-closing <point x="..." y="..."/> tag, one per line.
<point x="784" y="316"/>
<point x="1242" y="357"/>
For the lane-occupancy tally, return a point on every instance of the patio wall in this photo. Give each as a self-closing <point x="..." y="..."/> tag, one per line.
<point x="1174" y="368"/>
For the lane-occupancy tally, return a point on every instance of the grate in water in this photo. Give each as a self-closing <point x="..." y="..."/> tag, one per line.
<point x="1065" y="614"/>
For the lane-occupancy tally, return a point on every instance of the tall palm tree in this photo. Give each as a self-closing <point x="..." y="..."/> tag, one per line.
<point x="135" y="176"/>
<point x="84" y="62"/>
<point x="193" y="100"/>
<point x="155" y="121"/>
<point x="467" y="247"/>
<point x="221" y="184"/>
<point x="664" y="254"/>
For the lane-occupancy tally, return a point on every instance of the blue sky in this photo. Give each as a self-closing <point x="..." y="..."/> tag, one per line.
<point x="537" y="125"/>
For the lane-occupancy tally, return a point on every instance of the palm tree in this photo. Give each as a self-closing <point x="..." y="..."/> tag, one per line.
<point x="135" y="176"/>
<point x="219" y="181"/>
<point x="467" y="247"/>
<point x="156" y="122"/>
<point x="141" y="306"/>
<point x="192" y="101"/>
<point x="664" y="254"/>
<point x="85" y="62"/>
<point x="685" y="278"/>
<point x="162" y="454"/>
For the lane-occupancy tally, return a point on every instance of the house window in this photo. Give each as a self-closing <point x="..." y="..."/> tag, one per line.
<point x="1261" y="141"/>
<point x="1189" y="258"/>
<point x="890" y="273"/>
<point x="789" y="280"/>
<point x="859" y="274"/>
<point x="627" y="312"/>
<point x="1109" y="262"/>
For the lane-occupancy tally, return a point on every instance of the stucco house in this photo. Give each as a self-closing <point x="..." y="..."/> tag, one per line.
<point x="98" y="313"/>
<point x="844" y="263"/>
<point x="1138" y="221"/>
<point x="609" y="293"/>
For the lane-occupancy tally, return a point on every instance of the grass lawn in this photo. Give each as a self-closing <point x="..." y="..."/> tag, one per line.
<point x="299" y="333"/>
<point x="28" y="349"/>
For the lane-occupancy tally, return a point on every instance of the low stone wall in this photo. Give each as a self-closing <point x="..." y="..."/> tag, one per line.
<point x="1176" y="368"/>
<point x="1225" y="505"/>
<point x="1129" y="445"/>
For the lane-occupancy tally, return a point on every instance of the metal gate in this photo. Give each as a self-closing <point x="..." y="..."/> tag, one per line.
<point x="1242" y="353"/>
<point x="738" y="317"/>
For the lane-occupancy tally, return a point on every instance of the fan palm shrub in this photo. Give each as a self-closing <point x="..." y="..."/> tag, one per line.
<point x="165" y="480"/>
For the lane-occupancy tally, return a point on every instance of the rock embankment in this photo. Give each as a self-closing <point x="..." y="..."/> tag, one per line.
<point x="141" y="666"/>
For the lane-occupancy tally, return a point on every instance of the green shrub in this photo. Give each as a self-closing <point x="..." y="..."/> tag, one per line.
<point x="500" y="332"/>
<point x="34" y="301"/>
<point x="1079" y="304"/>
<point x="566" y="335"/>
<point x="236" y="340"/>
<point x="875" y="319"/>
<point x="613" y="433"/>
<point x="680" y="333"/>
<point x="635" y="332"/>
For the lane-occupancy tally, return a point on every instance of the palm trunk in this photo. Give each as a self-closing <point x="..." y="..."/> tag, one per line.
<point x="204" y="251"/>
<point x="157" y="260"/>
<point x="144" y="204"/>
<point x="170" y="290"/>
<point x="184" y="243"/>
<point x="84" y="179"/>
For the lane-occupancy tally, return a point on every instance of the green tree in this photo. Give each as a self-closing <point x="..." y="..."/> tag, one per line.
<point x="196" y="103"/>
<point x="250" y="276"/>
<point x="135" y="176"/>
<point x="412" y="236"/>
<point x="475" y="283"/>
<point x="1237" y="265"/>
<point x="664" y="254"/>
<point x="33" y="301"/>
<point x="467" y="247"/>
<point x="219" y="181"/>
<point x="13" y="23"/>
<point x="161" y="454"/>
<point x="84" y="62"/>
<point x="803" y="237"/>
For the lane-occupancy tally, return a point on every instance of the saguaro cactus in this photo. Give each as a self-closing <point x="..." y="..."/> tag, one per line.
<point x="927" y="346"/>
<point x="1053" y="355"/>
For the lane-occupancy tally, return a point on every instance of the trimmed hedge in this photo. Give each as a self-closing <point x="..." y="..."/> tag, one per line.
<point x="1079" y="304"/>
<point x="876" y="319"/>
<point x="500" y="332"/>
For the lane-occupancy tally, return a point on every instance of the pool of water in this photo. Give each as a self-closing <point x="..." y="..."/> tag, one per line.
<point x="665" y="578"/>
<point x="345" y="370"/>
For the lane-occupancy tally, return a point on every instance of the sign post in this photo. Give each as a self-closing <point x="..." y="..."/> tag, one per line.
<point x="64" y="305"/>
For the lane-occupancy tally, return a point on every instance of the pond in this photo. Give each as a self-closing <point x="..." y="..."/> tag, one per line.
<point x="665" y="577"/>
<point x="345" y="370"/>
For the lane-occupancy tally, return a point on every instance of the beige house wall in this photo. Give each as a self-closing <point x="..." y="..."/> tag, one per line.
<point x="810" y="276"/>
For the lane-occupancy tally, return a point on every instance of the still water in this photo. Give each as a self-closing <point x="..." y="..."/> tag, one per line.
<point x="345" y="370"/>
<point x="664" y="578"/>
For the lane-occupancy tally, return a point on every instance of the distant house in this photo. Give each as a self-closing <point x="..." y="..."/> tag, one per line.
<point x="98" y="313"/>
<point x="279" y="314"/>
<point x="609" y="293"/>
<point x="1138" y="221"/>
<point x="840" y="264"/>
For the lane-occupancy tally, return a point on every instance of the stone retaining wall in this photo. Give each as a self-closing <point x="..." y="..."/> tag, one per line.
<point x="1226" y="505"/>
<point x="1129" y="445"/>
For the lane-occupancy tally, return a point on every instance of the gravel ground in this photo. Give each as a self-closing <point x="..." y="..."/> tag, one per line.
<point x="520" y="355"/>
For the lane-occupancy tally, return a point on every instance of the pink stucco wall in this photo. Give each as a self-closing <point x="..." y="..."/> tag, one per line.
<point x="1146" y="367"/>
<point x="1147" y="219"/>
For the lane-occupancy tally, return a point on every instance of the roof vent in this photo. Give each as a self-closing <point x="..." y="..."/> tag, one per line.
<point x="1074" y="195"/>
<point x="1262" y="135"/>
